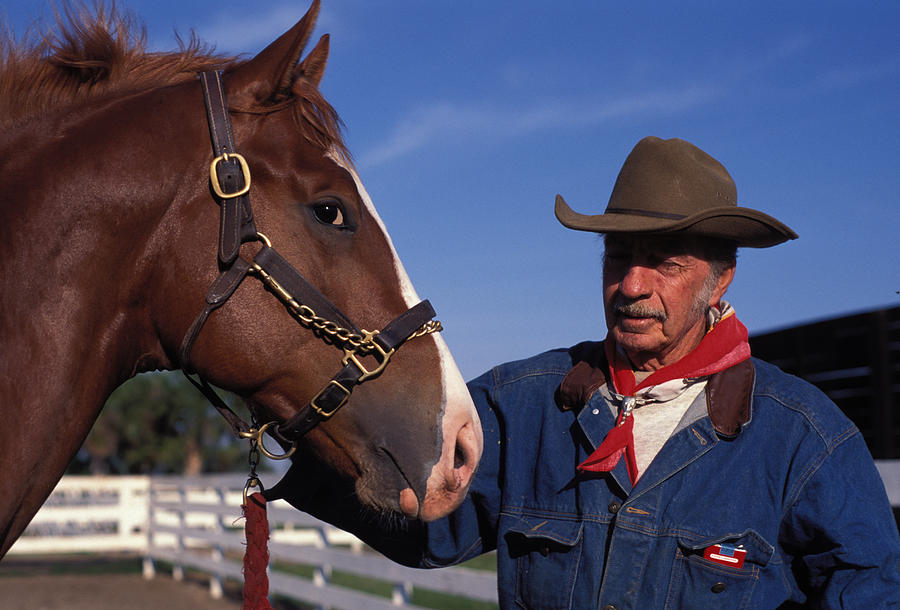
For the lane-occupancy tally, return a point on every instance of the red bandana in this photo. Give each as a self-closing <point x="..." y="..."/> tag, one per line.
<point x="722" y="347"/>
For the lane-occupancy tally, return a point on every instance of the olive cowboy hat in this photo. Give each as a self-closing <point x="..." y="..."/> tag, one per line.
<point x="673" y="187"/>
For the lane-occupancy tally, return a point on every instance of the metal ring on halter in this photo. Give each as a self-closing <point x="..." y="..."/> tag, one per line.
<point x="253" y="481"/>
<point x="256" y="435"/>
<point x="264" y="239"/>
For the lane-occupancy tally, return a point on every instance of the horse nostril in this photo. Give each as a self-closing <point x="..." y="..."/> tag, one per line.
<point x="460" y="474"/>
<point x="455" y="469"/>
<point x="466" y="454"/>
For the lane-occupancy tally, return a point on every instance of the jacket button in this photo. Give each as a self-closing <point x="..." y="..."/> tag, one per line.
<point x="609" y="607"/>
<point x="614" y="507"/>
<point x="544" y="550"/>
<point x="718" y="587"/>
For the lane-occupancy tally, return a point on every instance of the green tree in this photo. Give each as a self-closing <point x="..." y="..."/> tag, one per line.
<point x="159" y="423"/>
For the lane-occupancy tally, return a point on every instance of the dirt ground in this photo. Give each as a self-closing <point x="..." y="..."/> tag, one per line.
<point x="108" y="584"/>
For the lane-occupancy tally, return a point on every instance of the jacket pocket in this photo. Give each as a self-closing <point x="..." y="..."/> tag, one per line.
<point x="717" y="572"/>
<point x="546" y="553"/>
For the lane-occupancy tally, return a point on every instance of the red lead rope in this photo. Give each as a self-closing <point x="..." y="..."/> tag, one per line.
<point x="256" y="555"/>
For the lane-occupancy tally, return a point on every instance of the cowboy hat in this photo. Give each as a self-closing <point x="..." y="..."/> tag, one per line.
<point x="671" y="186"/>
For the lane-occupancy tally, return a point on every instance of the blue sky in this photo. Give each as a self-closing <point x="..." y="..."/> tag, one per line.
<point x="466" y="118"/>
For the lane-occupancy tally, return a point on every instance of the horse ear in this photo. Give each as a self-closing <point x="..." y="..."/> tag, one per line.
<point x="269" y="77"/>
<point x="313" y="67"/>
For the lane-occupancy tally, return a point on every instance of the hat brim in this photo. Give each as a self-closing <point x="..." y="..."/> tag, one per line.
<point x="746" y="227"/>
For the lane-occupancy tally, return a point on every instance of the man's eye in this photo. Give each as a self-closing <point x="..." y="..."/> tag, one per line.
<point x="670" y="265"/>
<point x="329" y="214"/>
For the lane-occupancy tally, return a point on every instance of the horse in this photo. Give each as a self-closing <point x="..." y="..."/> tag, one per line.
<point x="129" y="245"/>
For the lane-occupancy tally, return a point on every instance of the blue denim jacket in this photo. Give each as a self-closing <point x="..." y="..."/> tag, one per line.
<point x="792" y="484"/>
<point x="766" y="463"/>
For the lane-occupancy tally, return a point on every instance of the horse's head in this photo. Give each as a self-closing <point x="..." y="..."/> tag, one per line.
<point x="410" y="439"/>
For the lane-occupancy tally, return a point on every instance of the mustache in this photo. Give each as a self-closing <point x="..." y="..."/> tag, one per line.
<point x="639" y="310"/>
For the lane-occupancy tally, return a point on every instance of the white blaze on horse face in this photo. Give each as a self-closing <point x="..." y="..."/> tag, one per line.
<point x="406" y="287"/>
<point x="462" y="437"/>
<point x="454" y="386"/>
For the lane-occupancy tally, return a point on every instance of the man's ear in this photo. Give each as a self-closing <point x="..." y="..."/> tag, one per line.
<point x="722" y="285"/>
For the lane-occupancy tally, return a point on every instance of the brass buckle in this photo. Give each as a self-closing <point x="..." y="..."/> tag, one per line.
<point x="256" y="435"/>
<point x="214" y="179"/>
<point x="322" y="412"/>
<point x="383" y="357"/>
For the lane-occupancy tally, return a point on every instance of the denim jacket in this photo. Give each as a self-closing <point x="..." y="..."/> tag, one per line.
<point x="764" y="467"/>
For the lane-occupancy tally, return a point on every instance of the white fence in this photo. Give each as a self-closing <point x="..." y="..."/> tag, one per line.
<point x="90" y="514"/>
<point x="195" y="523"/>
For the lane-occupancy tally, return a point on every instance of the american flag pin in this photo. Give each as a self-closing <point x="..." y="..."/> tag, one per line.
<point x="725" y="554"/>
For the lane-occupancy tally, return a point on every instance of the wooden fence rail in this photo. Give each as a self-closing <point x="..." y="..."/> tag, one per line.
<point x="90" y="514"/>
<point x="195" y="523"/>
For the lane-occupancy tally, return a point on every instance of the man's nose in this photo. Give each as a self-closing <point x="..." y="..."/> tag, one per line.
<point x="636" y="282"/>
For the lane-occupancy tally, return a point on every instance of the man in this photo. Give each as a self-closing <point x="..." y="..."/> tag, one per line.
<point x="664" y="467"/>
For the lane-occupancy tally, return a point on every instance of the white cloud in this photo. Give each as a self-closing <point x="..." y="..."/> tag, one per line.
<point x="852" y="76"/>
<point x="447" y="120"/>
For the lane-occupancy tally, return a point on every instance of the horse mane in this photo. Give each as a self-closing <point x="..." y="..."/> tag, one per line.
<point x="94" y="53"/>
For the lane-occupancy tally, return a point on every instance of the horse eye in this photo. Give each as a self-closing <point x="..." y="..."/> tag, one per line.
<point x="329" y="214"/>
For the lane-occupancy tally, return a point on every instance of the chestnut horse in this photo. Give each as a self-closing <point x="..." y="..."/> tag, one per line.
<point x="110" y="239"/>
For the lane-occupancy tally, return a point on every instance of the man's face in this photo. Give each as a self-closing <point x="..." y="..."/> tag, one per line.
<point x="656" y="293"/>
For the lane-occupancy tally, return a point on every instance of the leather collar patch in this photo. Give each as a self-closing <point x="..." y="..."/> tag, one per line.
<point x="587" y="375"/>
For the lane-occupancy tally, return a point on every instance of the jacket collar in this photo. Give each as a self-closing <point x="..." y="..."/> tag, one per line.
<point x="728" y="392"/>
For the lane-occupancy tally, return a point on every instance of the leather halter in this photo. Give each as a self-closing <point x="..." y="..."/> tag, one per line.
<point x="230" y="181"/>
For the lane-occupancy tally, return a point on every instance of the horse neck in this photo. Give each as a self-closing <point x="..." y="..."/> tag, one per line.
<point x="80" y="232"/>
<point x="84" y="209"/>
